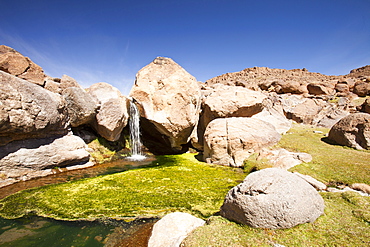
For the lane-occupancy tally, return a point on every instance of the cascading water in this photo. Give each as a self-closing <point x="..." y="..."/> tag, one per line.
<point x="135" y="140"/>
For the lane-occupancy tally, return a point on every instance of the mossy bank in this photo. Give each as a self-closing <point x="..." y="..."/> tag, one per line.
<point x="172" y="183"/>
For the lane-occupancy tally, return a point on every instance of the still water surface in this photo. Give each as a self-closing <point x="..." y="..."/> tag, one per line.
<point x="38" y="231"/>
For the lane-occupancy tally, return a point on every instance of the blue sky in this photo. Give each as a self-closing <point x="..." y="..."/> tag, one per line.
<point x="96" y="41"/>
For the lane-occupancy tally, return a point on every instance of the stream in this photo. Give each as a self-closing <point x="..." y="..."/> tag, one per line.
<point x="38" y="231"/>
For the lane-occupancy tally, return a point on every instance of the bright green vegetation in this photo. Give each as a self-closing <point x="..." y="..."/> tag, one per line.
<point x="105" y="151"/>
<point x="101" y="151"/>
<point x="331" y="164"/>
<point x="346" y="222"/>
<point x="173" y="183"/>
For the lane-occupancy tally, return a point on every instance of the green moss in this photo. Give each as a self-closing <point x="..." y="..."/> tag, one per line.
<point x="253" y="163"/>
<point x="331" y="163"/>
<point x="339" y="226"/>
<point x="173" y="183"/>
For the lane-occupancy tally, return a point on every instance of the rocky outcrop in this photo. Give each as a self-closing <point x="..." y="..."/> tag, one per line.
<point x="16" y="64"/>
<point x="352" y="131"/>
<point x="272" y="198"/>
<point x="221" y="101"/>
<point x="81" y="106"/>
<point x="29" y="111"/>
<point x="57" y="85"/>
<point x="314" y="111"/>
<point x="273" y="113"/>
<point x="20" y="159"/>
<point x="365" y="107"/>
<point x="363" y="72"/>
<point x="169" y="101"/>
<point x="172" y="229"/>
<point x="300" y="109"/>
<point x="229" y="141"/>
<point x="362" y="88"/>
<point x="297" y="81"/>
<point x="275" y="80"/>
<point x="112" y="116"/>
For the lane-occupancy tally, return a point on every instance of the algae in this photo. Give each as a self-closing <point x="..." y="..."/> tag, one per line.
<point x="172" y="183"/>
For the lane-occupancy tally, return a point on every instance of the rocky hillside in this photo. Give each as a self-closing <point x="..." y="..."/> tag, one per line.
<point x="297" y="81"/>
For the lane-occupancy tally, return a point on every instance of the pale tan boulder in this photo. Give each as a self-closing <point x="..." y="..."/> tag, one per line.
<point x="29" y="111"/>
<point x="57" y="85"/>
<point x="273" y="198"/>
<point x="22" y="158"/>
<point x="81" y="106"/>
<point x="229" y="141"/>
<point x="169" y="101"/>
<point x="172" y="229"/>
<point x="112" y="116"/>
<point x="222" y="101"/>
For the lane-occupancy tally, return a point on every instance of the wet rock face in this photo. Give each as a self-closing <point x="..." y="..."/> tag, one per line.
<point x="29" y="111"/>
<point x="273" y="198"/>
<point x="16" y="64"/>
<point x="352" y="131"/>
<point x="229" y="141"/>
<point x="169" y="99"/>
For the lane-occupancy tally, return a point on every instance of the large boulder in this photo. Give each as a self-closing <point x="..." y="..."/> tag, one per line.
<point x="365" y="107"/>
<point x="24" y="157"/>
<point x="29" y="111"/>
<point x="172" y="229"/>
<point x="231" y="101"/>
<point x="57" y="85"/>
<point x="352" y="131"/>
<point x="272" y="198"/>
<point x="229" y="141"/>
<point x="362" y="88"/>
<point x="81" y="106"/>
<point x="222" y="101"/>
<point x="300" y="109"/>
<point x="16" y="64"/>
<point x="112" y="116"/>
<point x="169" y="100"/>
<point x="273" y="113"/>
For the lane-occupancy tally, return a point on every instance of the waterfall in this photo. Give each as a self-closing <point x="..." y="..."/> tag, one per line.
<point x="134" y="124"/>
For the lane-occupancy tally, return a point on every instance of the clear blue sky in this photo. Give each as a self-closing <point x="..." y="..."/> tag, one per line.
<point x="94" y="41"/>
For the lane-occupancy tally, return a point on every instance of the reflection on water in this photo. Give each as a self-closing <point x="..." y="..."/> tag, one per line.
<point x="62" y="175"/>
<point x="38" y="231"/>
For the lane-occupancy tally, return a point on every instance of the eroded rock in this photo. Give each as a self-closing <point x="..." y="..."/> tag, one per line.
<point x="229" y="141"/>
<point x="81" y="106"/>
<point x="20" y="158"/>
<point x="169" y="98"/>
<point x="16" y="64"/>
<point x="112" y="116"/>
<point x="29" y="111"/>
<point x="272" y="198"/>
<point x="352" y="131"/>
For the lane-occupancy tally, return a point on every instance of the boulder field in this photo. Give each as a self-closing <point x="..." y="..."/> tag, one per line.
<point x="227" y="118"/>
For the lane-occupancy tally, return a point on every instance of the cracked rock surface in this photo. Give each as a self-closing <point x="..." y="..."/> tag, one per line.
<point x="273" y="198"/>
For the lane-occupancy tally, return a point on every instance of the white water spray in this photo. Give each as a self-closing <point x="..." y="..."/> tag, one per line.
<point x="135" y="140"/>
